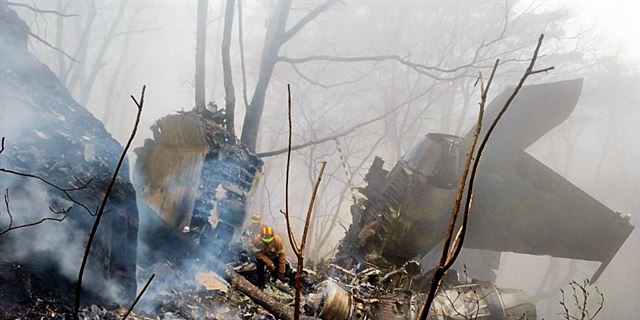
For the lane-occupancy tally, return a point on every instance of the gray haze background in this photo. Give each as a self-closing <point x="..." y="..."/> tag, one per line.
<point x="153" y="42"/>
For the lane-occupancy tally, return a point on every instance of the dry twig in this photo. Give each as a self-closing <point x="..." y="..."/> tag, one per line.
<point x="46" y="43"/>
<point x="580" y="295"/>
<point x="133" y="305"/>
<point x="65" y="191"/>
<point x="64" y="212"/>
<point x="298" y="250"/>
<point x="103" y="204"/>
<point x="449" y="254"/>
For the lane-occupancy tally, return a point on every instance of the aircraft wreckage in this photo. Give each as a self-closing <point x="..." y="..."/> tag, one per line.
<point x="520" y="206"/>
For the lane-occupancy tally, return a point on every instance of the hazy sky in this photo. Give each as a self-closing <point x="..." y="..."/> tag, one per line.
<point x="618" y="18"/>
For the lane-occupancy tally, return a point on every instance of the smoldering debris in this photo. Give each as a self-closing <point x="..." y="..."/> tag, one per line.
<point x="51" y="136"/>
<point x="194" y="301"/>
<point x="198" y="178"/>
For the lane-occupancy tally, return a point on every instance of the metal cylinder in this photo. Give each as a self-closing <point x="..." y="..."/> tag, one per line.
<point x="335" y="301"/>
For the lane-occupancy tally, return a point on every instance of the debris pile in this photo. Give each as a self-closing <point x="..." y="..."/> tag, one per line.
<point x="197" y="177"/>
<point x="205" y="296"/>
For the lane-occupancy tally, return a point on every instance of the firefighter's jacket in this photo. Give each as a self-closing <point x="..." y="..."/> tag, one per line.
<point x="271" y="253"/>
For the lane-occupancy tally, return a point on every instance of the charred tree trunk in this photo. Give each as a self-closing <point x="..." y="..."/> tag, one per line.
<point x="230" y="98"/>
<point x="201" y="44"/>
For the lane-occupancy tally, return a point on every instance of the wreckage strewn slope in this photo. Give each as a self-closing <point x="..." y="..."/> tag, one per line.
<point x="50" y="135"/>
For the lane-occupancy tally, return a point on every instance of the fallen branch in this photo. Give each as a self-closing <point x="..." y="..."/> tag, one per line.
<point x="103" y="204"/>
<point x="258" y="296"/>
<point x="287" y="35"/>
<point x="133" y="305"/>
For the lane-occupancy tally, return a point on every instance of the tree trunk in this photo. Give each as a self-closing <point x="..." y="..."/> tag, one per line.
<point x="98" y="63"/>
<point x="108" y="108"/>
<point x="81" y="52"/>
<point x="201" y="44"/>
<point x="62" y="65"/>
<point x="272" y="44"/>
<point x="230" y="98"/>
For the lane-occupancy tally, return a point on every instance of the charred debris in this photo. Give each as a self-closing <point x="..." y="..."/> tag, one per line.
<point x="181" y="216"/>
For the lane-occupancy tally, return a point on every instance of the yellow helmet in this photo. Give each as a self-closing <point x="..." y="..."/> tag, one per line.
<point x="266" y="234"/>
<point x="256" y="218"/>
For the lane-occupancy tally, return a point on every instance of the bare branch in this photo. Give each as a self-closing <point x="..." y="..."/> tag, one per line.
<point x="103" y="204"/>
<point x="306" y="19"/>
<point x="322" y="85"/>
<point x="51" y="46"/>
<point x="133" y="305"/>
<point x="527" y="73"/>
<point x="310" y="208"/>
<point x="298" y="249"/>
<point x="446" y="257"/>
<point x="419" y="68"/>
<point x="144" y="30"/>
<point x="580" y="295"/>
<point x="12" y="227"/>
<point x="65" y="191"/>
<point x="34" y="9"/>
<point x="292" y="238"/>
<point x="601" y="304"/>
<point x="345" y="132"/>
<point x="541" y="70"/>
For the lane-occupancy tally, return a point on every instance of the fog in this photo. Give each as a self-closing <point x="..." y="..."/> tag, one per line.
<point x="357" y="71"/>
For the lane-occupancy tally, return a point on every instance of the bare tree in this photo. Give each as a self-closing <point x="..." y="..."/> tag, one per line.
<point x="277" y="35"/>
<point x="98" y="63"/>
<point x="108" y="108"/>
<point x="75" y="73"/>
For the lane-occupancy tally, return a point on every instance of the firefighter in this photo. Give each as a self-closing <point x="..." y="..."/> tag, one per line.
<point x="269" y="253"/>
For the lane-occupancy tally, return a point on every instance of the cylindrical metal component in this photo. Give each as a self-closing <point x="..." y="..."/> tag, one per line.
<point x="335" y="301"/>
